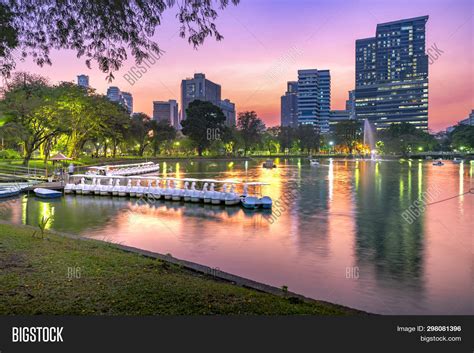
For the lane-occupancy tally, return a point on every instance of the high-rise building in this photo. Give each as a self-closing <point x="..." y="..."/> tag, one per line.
<point x="392" y="74"/>
<point x="114" y="94"/>
<point x="350" y="105"/>
<point x="83" y="81"/>
<point x="123" y="98"/>
<point x="337" y="116"/>
<point x="289" y="105"/>
<point x="228" y="108"/>
<point x="128" y="100"/>
<point x="314" y="98"/>
<point x="167" y="111"/>
<point x="198" y="88"/>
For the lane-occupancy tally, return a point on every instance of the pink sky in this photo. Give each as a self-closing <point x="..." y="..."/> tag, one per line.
<point x="266" y="42"/>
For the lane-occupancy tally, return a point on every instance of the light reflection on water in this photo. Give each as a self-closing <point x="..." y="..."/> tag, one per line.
<point x="346" y="215"/>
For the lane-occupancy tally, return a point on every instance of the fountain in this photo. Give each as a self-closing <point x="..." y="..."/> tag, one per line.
<point x="369" y="139"/>
<point x="368" y="135"/>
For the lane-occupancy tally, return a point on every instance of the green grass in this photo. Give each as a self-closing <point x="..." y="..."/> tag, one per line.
<point x="34" y="280"/>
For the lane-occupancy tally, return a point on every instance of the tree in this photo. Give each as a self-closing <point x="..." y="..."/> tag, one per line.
<point x="251" y="128"/>
<point x="308" y="136"/>
<point x="140" y="132"/>
<point x="347" y="134"/>
<point x="162" y="131"/>
<point x="115" y="124"/>
<point x="31" y="107"/>
<point x="286" y="137"/>
<point x="231" y="139"/>
<point x="101" y="31"/>
<point x="462" y="137"/>
<point x="202" y="117"/>
<point x="270" y="141"/>
<point x="404" y="138"/>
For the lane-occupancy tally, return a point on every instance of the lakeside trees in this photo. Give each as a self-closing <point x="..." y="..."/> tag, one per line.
<point x="405" y="138"/>
<point x="462" y="137"/>
<point x="348" y="134"/>
<point x="41" y="117"/>
<point x="251" y="129"/>
<point x="32" y="111"/>
<point x="203" y="118"/>
<point x="38" y="119"/>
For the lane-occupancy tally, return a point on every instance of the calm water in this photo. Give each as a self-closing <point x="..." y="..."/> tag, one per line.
<point x="342" y="238"/>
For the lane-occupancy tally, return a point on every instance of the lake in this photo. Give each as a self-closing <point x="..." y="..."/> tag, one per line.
<point x="338" y="233"/>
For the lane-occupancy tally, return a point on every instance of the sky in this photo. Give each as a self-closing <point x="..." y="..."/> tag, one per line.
<point x="267" y="41"/>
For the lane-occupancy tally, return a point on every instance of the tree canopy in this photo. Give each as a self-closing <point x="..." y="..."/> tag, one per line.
<point x="201" y="118"/>
<point x="101" y="31"/>
<point x="462" y="137"/>
<point x="404" y="138"/>
<point x="347" y="133"/>
<point x="251" y="128"/>
<point x="37" y="114"/>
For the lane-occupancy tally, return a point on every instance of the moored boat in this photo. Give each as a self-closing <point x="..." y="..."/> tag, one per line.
<point x="254" y="201"/>
<point x="269" y="164"/>
<point x="209" y="193"/>
<point x="266" y="202"/>
<point x="80" y="187"/>
<point x="69" y="188"/>
<point x="47" y="194"/>
<point x="232" y="198"/>
<point x="250" y="202"/>
<point x="177" y="192"/>
<point x="9" y="192"/>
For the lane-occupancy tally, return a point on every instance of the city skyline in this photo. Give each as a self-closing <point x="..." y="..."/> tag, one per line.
<point x="256" y="59"/>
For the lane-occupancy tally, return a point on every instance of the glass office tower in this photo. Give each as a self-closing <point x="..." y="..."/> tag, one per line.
<point x="392" y="74"/>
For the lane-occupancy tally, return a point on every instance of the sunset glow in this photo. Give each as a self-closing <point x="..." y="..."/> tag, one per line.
<point x="266" y="42"/>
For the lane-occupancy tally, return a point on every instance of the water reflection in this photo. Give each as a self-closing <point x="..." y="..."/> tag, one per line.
<point x="345" y="214"/>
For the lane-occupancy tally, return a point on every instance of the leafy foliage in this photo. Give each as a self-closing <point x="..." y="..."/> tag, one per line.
<point x="251" y="128"/>
<point x="42" y="224"/>
<point x="39" y="115"/>
<point x="202" y="116"/>
<point x="347" y="133"/>
<point x="101" y="31"/>
<point x="462" y="137"/>
<point x="32" y="110"/>
<point x="162" y="132"/>
<point x="309" y="137"/>
<point x="140" y="132"/>
<point x="405" y="138"/>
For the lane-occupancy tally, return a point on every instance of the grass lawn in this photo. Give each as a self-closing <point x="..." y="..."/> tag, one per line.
<point x="34" y="280"/>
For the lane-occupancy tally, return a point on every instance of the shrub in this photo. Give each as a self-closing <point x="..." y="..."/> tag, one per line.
<point x="9" y="154"/>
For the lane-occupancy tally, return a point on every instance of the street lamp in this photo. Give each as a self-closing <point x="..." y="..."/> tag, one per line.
<point x="331" y="143"/>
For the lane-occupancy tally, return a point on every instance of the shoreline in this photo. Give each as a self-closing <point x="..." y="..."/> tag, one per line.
<point x="214" y="273"/>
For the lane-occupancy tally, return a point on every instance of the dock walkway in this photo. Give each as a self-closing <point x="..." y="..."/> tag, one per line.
<point x="57" y="185"/>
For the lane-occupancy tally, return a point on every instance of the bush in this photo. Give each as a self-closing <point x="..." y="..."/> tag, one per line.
<point x="9" y="154"/>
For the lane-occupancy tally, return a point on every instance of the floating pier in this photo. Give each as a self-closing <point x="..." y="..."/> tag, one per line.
<point x="175" y="189"/>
